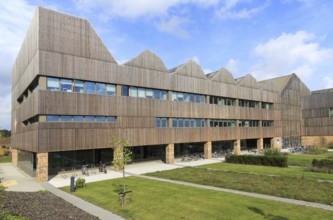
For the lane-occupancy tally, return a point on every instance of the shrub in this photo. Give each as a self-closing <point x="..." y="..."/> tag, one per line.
<point x="323" y="166"/>
<point x="6" y="153"/>
<point x="275" y="161"/>
<point x="272" y="152"/>
<point x="80" y="183"/>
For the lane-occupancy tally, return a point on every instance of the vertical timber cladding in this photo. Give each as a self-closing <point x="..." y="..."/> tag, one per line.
<point x="291" y="111"/>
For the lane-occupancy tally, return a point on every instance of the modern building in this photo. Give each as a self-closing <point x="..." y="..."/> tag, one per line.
<point x="69" y="96"/>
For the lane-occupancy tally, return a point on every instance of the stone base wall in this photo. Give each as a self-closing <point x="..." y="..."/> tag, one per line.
<point x="208" y="150"/>
<point x="15" y="157"/>
<point x="316" y="140"/>
<point x="276" y="143"/>
<point x="170" y="154"/>
<point x="260" y="144"/>
<point x="237" y="147"/>
<point x="42" y="174"/>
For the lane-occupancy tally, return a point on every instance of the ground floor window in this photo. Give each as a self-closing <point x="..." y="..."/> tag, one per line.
<point x="27" y="161"/>
<point x="67" y="160"/>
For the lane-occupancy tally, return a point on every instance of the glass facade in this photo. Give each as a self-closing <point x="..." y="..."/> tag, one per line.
<point x="248" y="123"/>
<point x="330" y="112"/>
<point x="267" y="123"/>
<point x="27" y="161"/>
<point x="68" y="160"/>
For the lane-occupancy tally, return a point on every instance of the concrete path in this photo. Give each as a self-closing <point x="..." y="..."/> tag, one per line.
<point x="16" y="180"/>
<point x="256" y="195"/>
<point x="80" y="203"/>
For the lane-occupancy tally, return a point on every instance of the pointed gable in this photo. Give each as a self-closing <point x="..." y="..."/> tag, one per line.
<point x="248" y="81"/>
<point x="190" y="68"/>
<point x="71" y="35"/>
<point x="149" y="60"/>
<point x="222" y="75"/>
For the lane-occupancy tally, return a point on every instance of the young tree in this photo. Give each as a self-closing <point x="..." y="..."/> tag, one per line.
<point x="122" y="155"/>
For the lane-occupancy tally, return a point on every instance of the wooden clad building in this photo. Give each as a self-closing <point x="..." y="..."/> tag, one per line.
<point x="69" y="96"/>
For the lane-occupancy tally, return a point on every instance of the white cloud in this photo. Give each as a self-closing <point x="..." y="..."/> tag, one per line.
<point x="298" y="52"/>
<point x="174" y="25"/>
<point x="232" y="66"/>
<point x="328" y="81"/>
<point x="15" y="18"/>
<point x="234" y="9"/>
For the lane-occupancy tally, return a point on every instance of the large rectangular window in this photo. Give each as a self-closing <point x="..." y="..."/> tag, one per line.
<point x="248" y="123"/>
<point x="331" y="112"/>
<point x="133" y="92"/>
<point x="188" y="123"/>
<point x="124" y="91"/>
<point x="267" y="123"/>
<point x="90" y="88"/>
<point x="161" y="122"/>
<point x="66" y="85"/>
<point x="110" y="89"/>
<point x="65" y="118"/>
<point x="187" y="97"/>
<point x="52" y="118"/>
<point x="248" y="103"/>
<point x="100" y="88"/>
<point x="52" y="84"/>
<point x="222" y="101"/>
<point x="78" y="86"/>
<point x="266" y="105"/>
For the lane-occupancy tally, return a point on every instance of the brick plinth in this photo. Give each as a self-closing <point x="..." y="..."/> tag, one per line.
<point x="260" y="144"/>
<point x="276" y="143"/>
<point x="170" y="154"/>
<point x="208" y="150"/>
<point x="42" y="167"/>
<point x="316" y="140"/>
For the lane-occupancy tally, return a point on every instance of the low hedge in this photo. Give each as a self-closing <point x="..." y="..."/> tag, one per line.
<point x="275" y="161"/>
<point x="324" y="163"/>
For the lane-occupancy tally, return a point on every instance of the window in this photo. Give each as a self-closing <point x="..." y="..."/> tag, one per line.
<point x="149" y="94"/>
<point x="110" y="89"/>
<point x="133" y="92"/>
<point x="248" y="123"/>
<point x="141" y="93"/>
<point x="52" y="84"/>
<point x="100" y="88"/>
<point x="111" y="119"/>
<point x="267" y="123"/>
<point x="124" y="90"/>
<point x="157" y="94"/>
<point x="65" y="118"/>
<point x="78" y="118"/>
<point x="52" y="118"/>
<point x="221" y="101"/>
<point x="331" y="112"/>
<point x="78" y="86"/>
<point x="174" y="123"/>
<point x="248" y="103"/>
<point x="66" y="85"/>
<point x="100" y="119"/>
<point x="266" y="105"/>
<point x="164" y="95"/>
<point x="161" y="122"/>
<point x="90" y="88"/>
<point x="90" y="118"/>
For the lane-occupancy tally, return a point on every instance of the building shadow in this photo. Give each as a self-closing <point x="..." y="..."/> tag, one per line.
<point x="267" y="216"/>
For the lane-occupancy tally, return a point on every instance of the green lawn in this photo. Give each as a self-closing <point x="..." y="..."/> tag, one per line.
<point x="159" y="200"/>
<point x="305" y="160"/>
<point x="282" y="186"/>
<point x="6" y="159"/>
<point x="290" y="171"/>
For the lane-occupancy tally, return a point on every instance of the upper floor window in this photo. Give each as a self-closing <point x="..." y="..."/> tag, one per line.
<point x="147" y="93"/>
<point x="331" y="112"/>
<point x="66" y="85"/>
<point x="222" y="123"/>
<point x="188" y="122"/>
<point x="266" y="105"/>
<point x="187" y="97"/>
<point x="248" y="123"/>
<point x="267" y="123"/>
<point x="161" y="122"/>
<point x="52" y="84"/>
<point x="78" y="86"/>
<point x="222" y="101"/>
<point x="248" y="103"/>
<point x="80" y="118"/>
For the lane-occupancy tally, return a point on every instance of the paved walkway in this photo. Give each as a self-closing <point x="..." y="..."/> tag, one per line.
<point x="256" y="195"/>
<point x="80" y="203"/>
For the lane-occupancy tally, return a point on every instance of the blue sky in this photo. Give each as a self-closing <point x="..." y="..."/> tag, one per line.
<point x="266" y="38"/>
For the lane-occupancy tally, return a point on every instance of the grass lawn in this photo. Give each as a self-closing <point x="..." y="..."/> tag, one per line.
<point x="305" y="160"/>
<point x="290" y="171"/>
<point x="282" y="186"/>
<point x="158" y="200"/>
<point x="6" y="159"/>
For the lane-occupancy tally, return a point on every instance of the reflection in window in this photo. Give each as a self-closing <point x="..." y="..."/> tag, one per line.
<point x="331" y="112"/>
<point x="90" y="88"/>
<point x="149" y="94"/>
<point x="100" y="88"/>
<point x="248" y="103"/>
<point x="78" y="86"/>
<point x="188" y="123"/>
<point x="66" y="85"/>
<point x="267" y="123"/>
<point x="124" y="90"/>
<point x="187" y="97"/>
<point x="222" y="101"/>
<point x="141" y="92"/>
<point x="100" y="119"/>
<point x="52" y="84"/>
<point x="110" y="89"/>
<point x="133" y="91"/>
<point x="111" y="118"/>
<point x="78" y="118"/>
<point x="65" y="118"/>
<point x="248" y="123"/>
<point x="266" y="105"/>
<point x="52" y="118"/>
<point x="90" y="118"/>
<point x="222" y="123"/>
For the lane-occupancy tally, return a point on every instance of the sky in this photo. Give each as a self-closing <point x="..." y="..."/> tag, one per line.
<point x="265" y="38"/>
